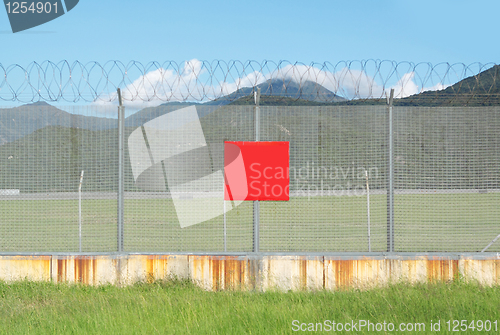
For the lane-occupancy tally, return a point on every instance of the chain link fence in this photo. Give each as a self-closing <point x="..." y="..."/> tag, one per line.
<point x="446" y="181"/>
<point x="422" y="176"/>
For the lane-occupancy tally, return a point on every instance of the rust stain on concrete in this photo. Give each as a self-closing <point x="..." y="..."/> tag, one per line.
<point x="85" y="269"/>
<point x="456" y="270"/>
<point x="343" y="273"/>
<point x="155" y="267"/>
<point x="150" y="269"/>
<point x="220" y="272"/>
<point x="303" y="273"/>
<point x="235" y="272"/>
<point x="228" y="272"/>
<point x="242" y="272"/>
<point x="62" y="270"/>
<point x="199" y="275"/>
<point x="442" y="269"/>
<point x="216" y="266"/>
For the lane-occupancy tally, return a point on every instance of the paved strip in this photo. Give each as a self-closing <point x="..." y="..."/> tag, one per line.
<point x="193" y="195"/>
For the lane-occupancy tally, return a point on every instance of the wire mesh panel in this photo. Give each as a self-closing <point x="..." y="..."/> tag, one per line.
<point x="332" y="149"/>
<point x="447" y="178"/>
<point x="153" y="219"/>
<point x="43" y="153"/>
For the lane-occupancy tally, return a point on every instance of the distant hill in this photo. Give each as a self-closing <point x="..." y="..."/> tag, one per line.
<point x="482" y="89"/>
<point x="308" y="91"/>
<point x="268" y="100"/>
<point x="52" y="158"/>
<point x="273" y="93"/>
<point x="20" y="121"/>
<point x="149" y="113"/>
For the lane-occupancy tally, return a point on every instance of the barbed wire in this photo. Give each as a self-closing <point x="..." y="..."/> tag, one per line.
<point x="346" y="82"/>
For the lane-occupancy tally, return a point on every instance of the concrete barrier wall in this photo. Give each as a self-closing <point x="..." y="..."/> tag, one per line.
<point x="255" y="272"/>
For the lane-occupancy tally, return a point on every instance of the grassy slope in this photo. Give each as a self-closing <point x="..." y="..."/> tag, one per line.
<point x="429" y="146"/>
<point x="181" y="308"/>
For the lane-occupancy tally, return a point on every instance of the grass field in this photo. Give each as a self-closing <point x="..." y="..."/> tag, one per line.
<point x="181" y="308"/>
<point x="423" y="222"/>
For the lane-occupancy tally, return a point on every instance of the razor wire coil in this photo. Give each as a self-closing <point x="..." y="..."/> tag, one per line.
<point x="201" y="81"/>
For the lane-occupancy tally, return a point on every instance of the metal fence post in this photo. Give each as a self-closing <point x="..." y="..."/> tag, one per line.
<point x="256" y="204"/>
<point x="368" y="212"/>
<point x="80" y="213"/>
<point x="121" y="140"/>
<point x="390" y="177"/>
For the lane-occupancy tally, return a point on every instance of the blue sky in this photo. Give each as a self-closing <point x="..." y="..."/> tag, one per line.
<point x="415" y="31"/>
<point x="316" y="31"/>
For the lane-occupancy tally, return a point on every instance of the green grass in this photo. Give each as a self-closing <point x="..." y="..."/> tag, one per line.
<point x="178" y="307"/>
<point x="423" y="222"/>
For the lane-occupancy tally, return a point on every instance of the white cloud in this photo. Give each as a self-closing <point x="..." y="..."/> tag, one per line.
<point x="356" y="84"/>
<point x="250" y="80"/>
<point x="348" y="83"/>
<point x="193" y="82"/>
<point x="161" y="85"/>
<point x="406" y="86"/>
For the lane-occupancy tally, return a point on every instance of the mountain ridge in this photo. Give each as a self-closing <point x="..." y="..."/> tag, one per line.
<point x="482" y="89"/>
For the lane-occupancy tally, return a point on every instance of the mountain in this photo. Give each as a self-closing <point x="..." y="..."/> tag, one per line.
<point x="144" y="115"/>
<point x="307" y="91"/>
<point x="20" y="121"/>
<point x="482" y="89"/>
<point x="273" y="93"/>
<point x="269" y="100"/>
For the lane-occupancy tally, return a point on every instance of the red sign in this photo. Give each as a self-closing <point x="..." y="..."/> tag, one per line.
<point x="256" y="171"/>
